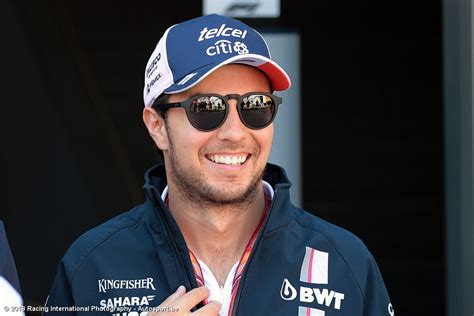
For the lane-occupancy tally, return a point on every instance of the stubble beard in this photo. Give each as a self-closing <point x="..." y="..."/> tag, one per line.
<point x="195" y="187"/>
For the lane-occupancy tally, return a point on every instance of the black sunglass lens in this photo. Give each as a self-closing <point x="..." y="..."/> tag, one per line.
<point x="207" y="112"/>
<point x="257" y="110"/>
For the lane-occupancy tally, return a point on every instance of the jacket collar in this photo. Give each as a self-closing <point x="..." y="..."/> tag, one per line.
<point x="280" y="209"/>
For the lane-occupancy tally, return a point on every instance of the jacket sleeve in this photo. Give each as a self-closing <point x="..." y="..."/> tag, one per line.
<point x="10" y="294"/>
<point x="7" y="264"/>
<point x="60" y="294"/>
<point x="376" y="299"/>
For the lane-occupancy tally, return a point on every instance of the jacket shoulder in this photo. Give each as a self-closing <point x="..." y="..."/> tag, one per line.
<point x="85" y="245"/>
<point x="339" y="237"/>
<point x="351" y="249"/>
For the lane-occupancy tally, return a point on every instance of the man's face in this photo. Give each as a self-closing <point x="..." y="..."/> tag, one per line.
<point x="197" y="162"/>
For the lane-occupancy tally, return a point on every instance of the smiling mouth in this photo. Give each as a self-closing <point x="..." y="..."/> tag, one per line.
<point x="232" y="160"/>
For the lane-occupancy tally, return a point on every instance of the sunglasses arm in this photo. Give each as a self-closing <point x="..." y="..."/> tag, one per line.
<point x="166" y="106"/>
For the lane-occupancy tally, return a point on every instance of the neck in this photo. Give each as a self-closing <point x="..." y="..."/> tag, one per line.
<point x="229" y="227"/>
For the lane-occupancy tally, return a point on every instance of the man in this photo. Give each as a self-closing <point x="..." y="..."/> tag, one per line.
<point x="11" y="302"/>
<point x="213" y="237"/>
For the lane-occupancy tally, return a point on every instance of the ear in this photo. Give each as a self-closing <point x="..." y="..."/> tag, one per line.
<point x="155" y="124"/>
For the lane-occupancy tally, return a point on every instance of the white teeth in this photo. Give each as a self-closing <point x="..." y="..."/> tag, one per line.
<point x="228" y="160"/>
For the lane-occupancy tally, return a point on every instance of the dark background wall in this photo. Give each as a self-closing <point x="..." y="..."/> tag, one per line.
<point x="74" y="148"/>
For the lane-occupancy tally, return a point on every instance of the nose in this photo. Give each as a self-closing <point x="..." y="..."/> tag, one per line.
<point x="233" y="129"/>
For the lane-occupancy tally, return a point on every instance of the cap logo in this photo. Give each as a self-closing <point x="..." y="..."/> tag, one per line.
<point x="152" y="82"/>
<point x="226" y="47"/>
<point x="221" y="31"/>
<point x="187" y="78"/>
<point x="153" y="66"/>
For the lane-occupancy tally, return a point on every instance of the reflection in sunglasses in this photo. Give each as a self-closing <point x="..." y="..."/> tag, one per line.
<point x="257" y="101"/>
<point x="217" y="104"/>
<point x="207" y="104"/>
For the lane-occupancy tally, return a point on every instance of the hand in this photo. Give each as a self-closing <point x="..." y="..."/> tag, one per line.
<point x="181" y="303"/>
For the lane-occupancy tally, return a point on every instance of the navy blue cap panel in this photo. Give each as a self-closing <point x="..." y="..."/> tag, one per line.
<point x="209" y="40"/>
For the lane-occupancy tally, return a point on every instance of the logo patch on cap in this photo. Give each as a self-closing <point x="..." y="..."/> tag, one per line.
<point x="221" y="31"/>
<point x="226" y="47"/>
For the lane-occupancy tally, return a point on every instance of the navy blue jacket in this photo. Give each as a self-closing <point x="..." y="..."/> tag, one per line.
<point x="7" y="264"/>
<point x="300" y="264"/>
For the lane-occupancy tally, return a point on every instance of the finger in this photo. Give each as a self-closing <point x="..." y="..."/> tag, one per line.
<point x="211" y="309"/>
<point x="192" y="298"/>
<point x="177" y="294"/>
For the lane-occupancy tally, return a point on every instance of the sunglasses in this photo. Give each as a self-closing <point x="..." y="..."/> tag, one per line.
<point x="207" y="112"/>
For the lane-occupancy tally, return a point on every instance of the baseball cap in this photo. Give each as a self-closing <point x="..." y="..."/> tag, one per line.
<point x="191" y="50"/>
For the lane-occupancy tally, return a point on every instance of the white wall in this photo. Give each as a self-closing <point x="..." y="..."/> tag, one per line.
<point x="286" y="149"/>
<point x="458" y="103"/>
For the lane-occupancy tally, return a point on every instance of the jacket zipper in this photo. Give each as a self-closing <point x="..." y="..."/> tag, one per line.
<point x="252" y="254"/>
<point x="171" y="238"/>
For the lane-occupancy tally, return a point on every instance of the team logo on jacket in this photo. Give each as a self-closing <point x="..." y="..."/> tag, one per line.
<point x="109" y="284"/>
<point x="115" y="302"/>
<point x="127" y="305"/>
<point x="314" y="270"/>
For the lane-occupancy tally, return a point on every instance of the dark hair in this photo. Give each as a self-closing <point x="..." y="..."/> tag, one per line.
<point x="162" y="99"/>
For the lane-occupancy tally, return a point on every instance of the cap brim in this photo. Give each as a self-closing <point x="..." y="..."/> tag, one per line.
<point x="278" y="77"/>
